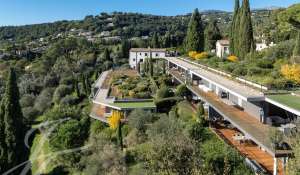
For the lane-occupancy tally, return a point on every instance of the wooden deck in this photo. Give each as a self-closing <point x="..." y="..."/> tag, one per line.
<point x="249" y="149"/>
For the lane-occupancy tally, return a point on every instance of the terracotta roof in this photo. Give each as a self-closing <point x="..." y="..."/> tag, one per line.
<point x="223" y="42"/>
<point x="147" y="50"/>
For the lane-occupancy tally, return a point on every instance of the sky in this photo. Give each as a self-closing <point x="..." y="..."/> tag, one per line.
<point x="20" y="12"/>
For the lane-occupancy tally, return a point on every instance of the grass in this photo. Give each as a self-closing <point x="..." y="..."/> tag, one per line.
<point x="40" y="148"/>
<point x="287" y="100"/>
<point x="134" y="105"/>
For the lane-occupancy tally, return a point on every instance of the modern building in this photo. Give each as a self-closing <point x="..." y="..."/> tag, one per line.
<point x="138" y="55"/>
<point x="250" y="110"/>
<point x="104" y="103"/>
<point x="222" y="48"/>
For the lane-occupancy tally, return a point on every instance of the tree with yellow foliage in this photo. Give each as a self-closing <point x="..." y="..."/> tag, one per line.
<point x="291" y="72"/>
<point x="115" y="123"/>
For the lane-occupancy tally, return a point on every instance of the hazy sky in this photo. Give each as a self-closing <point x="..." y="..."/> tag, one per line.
<point x="19" y="12"/>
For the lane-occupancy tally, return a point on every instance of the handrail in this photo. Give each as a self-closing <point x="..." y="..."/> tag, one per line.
<point x="242" y="80"/>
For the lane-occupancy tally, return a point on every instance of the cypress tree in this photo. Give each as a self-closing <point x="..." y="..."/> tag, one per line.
<point x="14" y="127"/>
<point x="234" y="29"/>
<point x="150" y="65"/>
<point x="106" y="55"/>
<point x="155" y="41"/>
<point x="3" y="148"/>
<point x="195" y="34"/>
<point x="296" y="52"/>
<point x="212" y="35"/>
<point x="246" y="40"/>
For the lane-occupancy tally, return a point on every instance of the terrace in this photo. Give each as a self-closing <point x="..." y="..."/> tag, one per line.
<point x="242" y="121"/>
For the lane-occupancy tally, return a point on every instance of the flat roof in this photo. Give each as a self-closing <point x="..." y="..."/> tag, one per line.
<point x="244" y="91"/>
<point x="147" y="50"/>
<point x="246" y="123"/>
<point x="288" y="102"/>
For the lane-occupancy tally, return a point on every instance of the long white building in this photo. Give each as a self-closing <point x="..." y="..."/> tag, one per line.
<point x="138" y="55"/>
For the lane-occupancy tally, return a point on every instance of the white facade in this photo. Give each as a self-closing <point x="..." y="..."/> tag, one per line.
<point x="137" y="55"/>
<point x="222" y="48"/>
<point x="263" y="45"/>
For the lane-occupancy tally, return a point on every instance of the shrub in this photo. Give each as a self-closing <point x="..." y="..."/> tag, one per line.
<point x="68" y="100"/>
<point x="44" y="100"/>
<point x="30" y="113"/>
<point x="291" y="72"/>
<point x="27" y="100"/>
<point x="182" y="91"/>
<point x="164" y="92"/>
<point x="192" y="54"/>
<point x="60" y="92"/>
<point x="201" y="55"/>
<point x="233" y="58"/>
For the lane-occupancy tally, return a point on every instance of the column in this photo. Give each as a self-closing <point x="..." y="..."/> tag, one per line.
<point x="275" y="166"/>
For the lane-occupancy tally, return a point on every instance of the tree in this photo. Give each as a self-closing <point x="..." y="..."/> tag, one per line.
<point x="155" y="41"/>
<point x="246" y="40"/>
<point x="150" y="62"/>
<point x="195" y="35"/>
<point x="125" y="46"/>
<point x="212" y="35"/>
<point x="106" y="55"/>
<point x="182" y="91"/>
<point x="115" y="123"/>
<point x="14" y="127"/>
<point x="234" y="28"/>
<point x="164" y="92"/>
<point x="296" y="52"/>
<point x="139" y="119"/>
<point x="200" y="113"/>
<point x="3" y="148"/>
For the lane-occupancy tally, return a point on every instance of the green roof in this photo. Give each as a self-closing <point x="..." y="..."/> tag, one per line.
<point x="134" y="105"/>
<point x="288" y="100"/>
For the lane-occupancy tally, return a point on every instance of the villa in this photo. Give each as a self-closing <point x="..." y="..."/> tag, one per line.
<point x="138" y="55"/>
<point x="222" y="48"/>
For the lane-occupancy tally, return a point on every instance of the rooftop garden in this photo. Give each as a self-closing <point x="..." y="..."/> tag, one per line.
<point x="270" y="67"/>
<point x="289" y="100"/>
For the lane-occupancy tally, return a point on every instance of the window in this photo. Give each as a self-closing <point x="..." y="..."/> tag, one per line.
<point x="133" y="59"/>
<point x="146" y="54"/>
<point x="156" y="54"/>
<point x="140" y="53"/>
<point x="141" y="60"/>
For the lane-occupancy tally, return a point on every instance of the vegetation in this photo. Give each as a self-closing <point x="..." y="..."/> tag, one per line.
<point x="13" y="151"/>
<point x="242" y="41"/>
<point x="195" y="35"/>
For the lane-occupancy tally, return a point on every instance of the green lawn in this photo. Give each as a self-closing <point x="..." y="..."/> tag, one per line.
<point x="289" y="100"/>
<point x="134" y="105"/>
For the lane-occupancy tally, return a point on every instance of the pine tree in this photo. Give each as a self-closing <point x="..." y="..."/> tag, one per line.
<point x="296" y="52"/>
<point x="234" y="29"/>
<point x="14" y="127"/>
<point x="212" y="35"/>
<point x="246" y="40"/>
<point x="195" y="34"/>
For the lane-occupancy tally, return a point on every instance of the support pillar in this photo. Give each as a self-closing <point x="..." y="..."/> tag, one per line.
<point x="275" y="166"/>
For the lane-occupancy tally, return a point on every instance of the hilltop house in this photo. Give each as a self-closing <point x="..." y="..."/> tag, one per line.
<point x="138" y="55"/>
<point x="263" y="45"/>
<point x="222" y="48"/>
